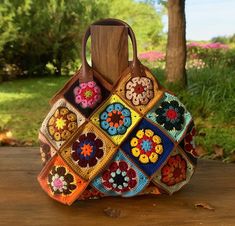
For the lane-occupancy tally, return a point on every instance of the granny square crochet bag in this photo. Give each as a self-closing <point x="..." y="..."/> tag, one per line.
<point x="129" y="138"/>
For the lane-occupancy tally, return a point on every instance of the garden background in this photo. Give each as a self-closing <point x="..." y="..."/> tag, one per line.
<point x="40" y="43"/>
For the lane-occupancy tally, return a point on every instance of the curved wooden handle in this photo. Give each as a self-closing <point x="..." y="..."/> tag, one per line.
<point x="86" y="73"/>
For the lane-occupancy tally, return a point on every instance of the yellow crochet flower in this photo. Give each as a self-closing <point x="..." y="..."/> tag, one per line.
<point x="146" y="146"/>
<point x="62" y="124"/>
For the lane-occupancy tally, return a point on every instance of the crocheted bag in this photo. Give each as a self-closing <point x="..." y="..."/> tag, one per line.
<point x="126" y="139"/>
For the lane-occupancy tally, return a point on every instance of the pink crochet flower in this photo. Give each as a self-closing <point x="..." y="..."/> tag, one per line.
<point x="87" y="94"/>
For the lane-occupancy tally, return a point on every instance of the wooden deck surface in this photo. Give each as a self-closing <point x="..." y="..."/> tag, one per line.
<point x="22" y="202"/>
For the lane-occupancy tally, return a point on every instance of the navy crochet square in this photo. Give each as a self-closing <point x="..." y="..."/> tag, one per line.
<point x="168" y="146"/>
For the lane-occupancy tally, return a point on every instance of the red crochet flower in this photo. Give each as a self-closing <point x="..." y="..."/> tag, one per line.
<point x="139" y="90"/>
<point x="119" y="177"/>
<point x="174" y="171"/>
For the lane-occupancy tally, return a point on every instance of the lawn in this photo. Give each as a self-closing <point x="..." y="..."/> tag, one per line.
<point x="24" y="104"/>
<point x="209" y="97"/>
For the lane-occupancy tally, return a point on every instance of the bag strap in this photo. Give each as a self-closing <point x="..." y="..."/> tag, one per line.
<point x="86" y="71"/>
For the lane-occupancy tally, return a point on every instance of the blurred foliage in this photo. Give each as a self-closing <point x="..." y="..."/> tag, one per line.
<point x="143" y="18"/>
<point x="224" y="39"/>
<point x="40" y="37"/>
<point x="34" y="33"/>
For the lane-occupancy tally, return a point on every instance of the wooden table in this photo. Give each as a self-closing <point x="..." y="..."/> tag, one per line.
<point x="22" y="202"/>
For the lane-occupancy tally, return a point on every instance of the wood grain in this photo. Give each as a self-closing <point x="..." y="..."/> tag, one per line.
<point x="22" y="202"/>
<point x="109" y="50"/>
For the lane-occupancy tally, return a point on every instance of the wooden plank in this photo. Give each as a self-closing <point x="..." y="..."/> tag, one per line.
<point x="109" y="50"/>
<point x="22" y="202"/>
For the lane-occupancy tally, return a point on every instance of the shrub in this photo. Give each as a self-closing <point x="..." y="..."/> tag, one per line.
<point x="34" y="33"/>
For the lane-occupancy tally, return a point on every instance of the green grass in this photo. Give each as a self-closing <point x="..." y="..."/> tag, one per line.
<point x="209" y="97"/>
<point x="24" y="104"/>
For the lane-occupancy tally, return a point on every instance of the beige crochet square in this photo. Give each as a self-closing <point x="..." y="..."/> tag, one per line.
<point x="61" y="123"/>
<point x="141" y="92"/>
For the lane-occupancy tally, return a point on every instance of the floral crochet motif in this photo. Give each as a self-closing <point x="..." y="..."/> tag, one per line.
<point x="61" y="182"/>
<point x="174" y="171"/>
<point x="146" y="146"/>
<point x="88" y="95"/>
<point x="170" y="115"/>
<point x="87" y="150"/>
<point x="115" y="119"/>
<point x="139" y="90"/>
<point x="62" y="124"/>
<point x="119" y="177"/>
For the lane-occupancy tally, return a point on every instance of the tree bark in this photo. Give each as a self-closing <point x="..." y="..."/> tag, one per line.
<point x="176" y="43"/>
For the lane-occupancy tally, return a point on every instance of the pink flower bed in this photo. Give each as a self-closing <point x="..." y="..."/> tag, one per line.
<point x="152" y="56"/>
<point x="215" y="45"/>
<point x="199" y="55"/>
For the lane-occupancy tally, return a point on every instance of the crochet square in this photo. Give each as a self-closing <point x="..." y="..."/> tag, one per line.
<point x="86" y="96"/>
<point x="171" y="115"/>
<point x="141" y="92"/>
<point x="59" y="181"/>
<point x="115" y="118"/>
<point x="61" y="123"/>
<point x="147" y="146"/>
<point x="88" y="152"/>
<point x="175" y="172"/>
<point x="121" y="178"/>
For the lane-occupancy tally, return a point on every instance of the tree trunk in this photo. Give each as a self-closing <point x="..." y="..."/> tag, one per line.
<point x="176" y="43"/>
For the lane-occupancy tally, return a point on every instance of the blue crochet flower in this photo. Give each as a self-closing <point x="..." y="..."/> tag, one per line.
<point x="115" y="119"/>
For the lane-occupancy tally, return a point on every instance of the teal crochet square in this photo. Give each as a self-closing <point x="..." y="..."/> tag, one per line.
<point x="121" y="178"/>
<point x="171" y="115"/>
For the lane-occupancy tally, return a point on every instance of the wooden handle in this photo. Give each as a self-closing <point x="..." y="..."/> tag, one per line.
<point x="109" y="51"/>
<point x="87" y="73"/>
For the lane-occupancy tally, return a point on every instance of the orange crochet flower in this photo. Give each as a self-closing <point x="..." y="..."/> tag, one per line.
<point x="87" y="150"/>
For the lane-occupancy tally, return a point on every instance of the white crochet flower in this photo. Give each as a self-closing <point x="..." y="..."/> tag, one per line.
<point x="139" y="90"/>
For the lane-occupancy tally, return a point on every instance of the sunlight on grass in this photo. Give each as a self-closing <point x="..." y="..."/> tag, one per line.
<point x="24" y="104"/>
<point x="14" y="96"/>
